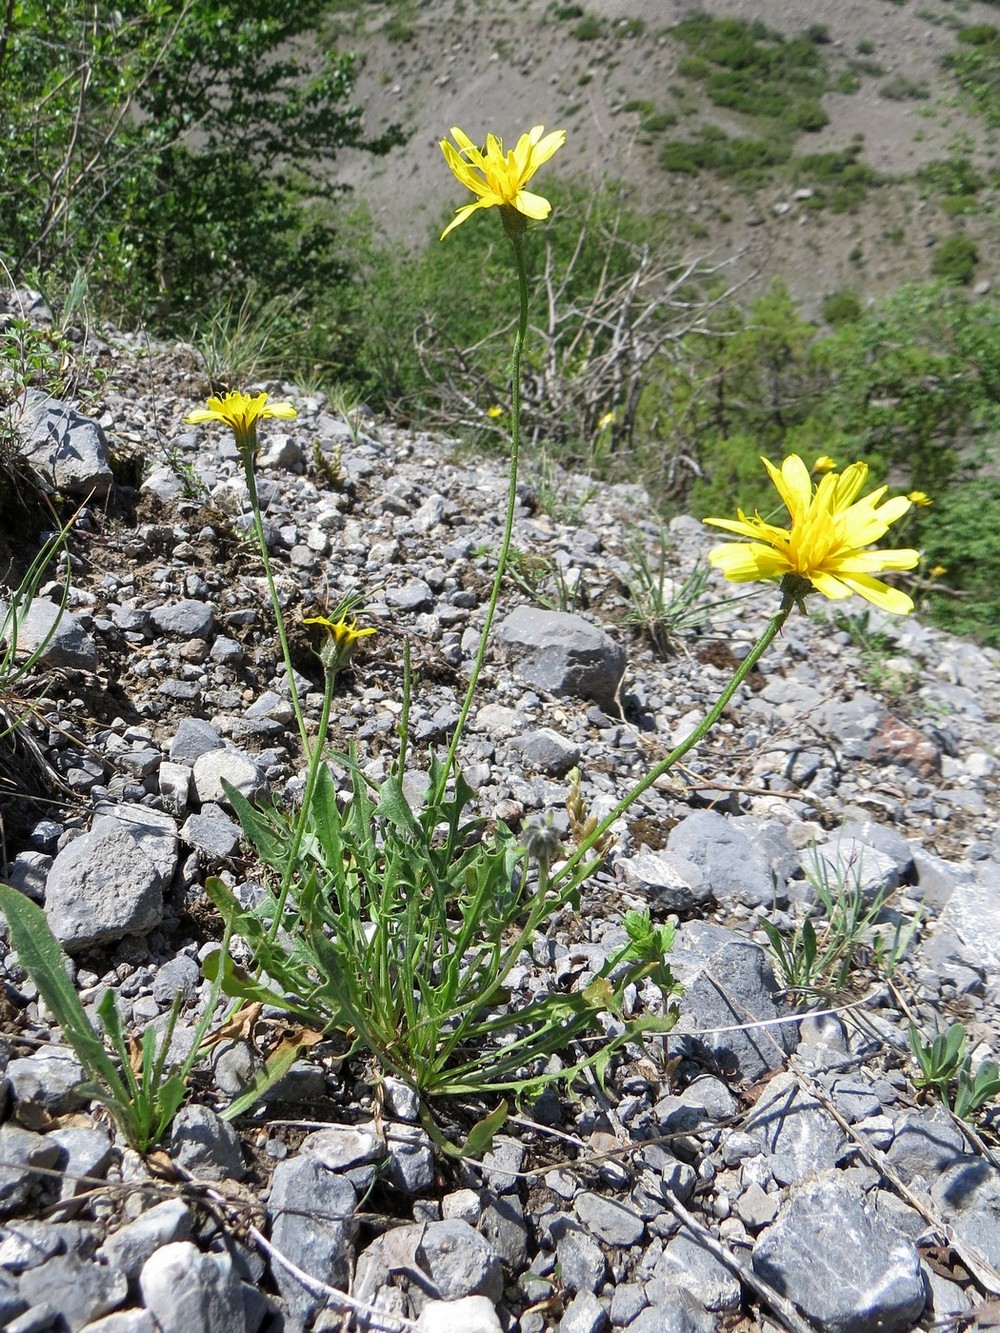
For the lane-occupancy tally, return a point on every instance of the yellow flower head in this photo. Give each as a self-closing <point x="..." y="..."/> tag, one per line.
<point x="920" y="498"/>
<point x="828" y="540"/>
<point x="341" y="637"/>
<point x="494" y="412"/>
<point x="241" y="412"/>
<point x="938" y="571"/>
<point x="824" y="464"/>
<point x="499" y="178"/>
<point x="607" y="420"/>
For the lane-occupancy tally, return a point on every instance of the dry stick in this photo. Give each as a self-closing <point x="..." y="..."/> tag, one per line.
<point x="779" y="1305"/>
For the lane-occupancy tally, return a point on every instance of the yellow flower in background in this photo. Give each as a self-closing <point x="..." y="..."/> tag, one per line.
<point x="494" y="412"/>
<point x="607" y="420"/>
<point x="938" y="571"/>
<point x="824" y="464"/>
<point x="338" y="646"/>
<point x="241" y="412"/>
<point x="920" y="498"/>
<point x="499" y="178"/>
<point x="828" y="540"/>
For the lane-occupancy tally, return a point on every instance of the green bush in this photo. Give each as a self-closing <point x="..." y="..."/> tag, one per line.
<point x="843" y="307"/>
<point x="589" y="29"/>
<point x="960" y="534"/>
<point x="955" y="260"/>
<point x="976" y="65"/>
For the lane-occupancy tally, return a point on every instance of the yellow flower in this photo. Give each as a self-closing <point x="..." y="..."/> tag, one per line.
<point x="828" y="540"/>
<point x="499" y="178"/>
<point x="938" y="571"/>
<point x="824" y="464"/>
<point x="494" y="412"/>
<point x="920" y="498"/>
<point x="241" y="412"/>
<point x="607" y="420"/>
<point x="338" y="647"/>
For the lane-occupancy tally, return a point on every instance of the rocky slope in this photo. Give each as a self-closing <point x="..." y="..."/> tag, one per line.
<point x="771" y="1163"/>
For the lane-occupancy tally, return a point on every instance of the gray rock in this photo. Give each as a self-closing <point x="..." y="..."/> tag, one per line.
<point x="102" y="887"/>
<point x="584" y="1314"/>
<point x="667" y="881"/>
<point x="925" y="1144"/>
<point x="233" y="766"/>
<point x="311" y="1214"/>
<point x="628" y="1301"/>
<point x="79" y="1291"/>
<point x="679" y="1313"/>
<point x="189" y="618"/>
<point x="178" y="975"/>
<point x="502" y="1163"/>
<point x="580" y="1258"/>
<point x="20" y="1150"/>
<point x="846" y="1269"/>
<point x="12" y="1303"/>
<point x="86" y="1156"/>
<point x="193" y="738"/>
<point x="563" y="654"/>
<point x="797" y="1133"/>
<point x="123" y="1321"/>
<point x="885" y="840"/>
<point x="212" y="832"/>
<point x="545" y="751"/>
<point x="471" y="1314"/>
<point x="974" y="916"/>
<point x="128" y="1248"/>
<point x="66" y="449"/>
<point x="48" y="1080"/>
<point x="610" y="1221"/>
<point x="414" y="595"/>
<point x="67" y="643"/>
<point x="689" y="1266"/>
<point x="967" y="1195"/>
<point x="728" y="982"/>
<point x="502" y="1223"/>
<point x="735" y="869"/>
<point x="459" y="1262"/>
<point x="204" y="1144"/>
<point x="339" y="1147"/>
<point x="154" y="831"/>
<point x="189" y="1292"/>
<point x="28" y="873"/>
<point x="411" y="1160"/>
<point x="853" y="864"/>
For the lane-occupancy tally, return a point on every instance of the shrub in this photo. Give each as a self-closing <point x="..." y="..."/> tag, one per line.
<point x="588" y="29"/>
<point x="955" y="260"/>
<point x="960" y="535"/>
<point x="843" y="307"/>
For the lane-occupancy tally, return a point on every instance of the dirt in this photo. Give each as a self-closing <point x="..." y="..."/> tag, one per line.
<point x="501" y="66"/>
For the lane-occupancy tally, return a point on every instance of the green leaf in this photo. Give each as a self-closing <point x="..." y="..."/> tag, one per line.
<point x="40" y="955"/>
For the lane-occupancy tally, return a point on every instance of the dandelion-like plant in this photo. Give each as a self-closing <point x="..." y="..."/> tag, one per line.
<point x="826" y="548"/>
<point x="498" y="179"/>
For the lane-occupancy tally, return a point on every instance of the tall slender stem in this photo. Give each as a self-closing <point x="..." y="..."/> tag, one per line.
<point x="258" y="525"/>
<point x="515" y="230"/>
<point x="705" y="725"/>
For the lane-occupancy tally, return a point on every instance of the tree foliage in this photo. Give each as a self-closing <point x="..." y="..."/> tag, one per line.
<point x="160" y="145"/>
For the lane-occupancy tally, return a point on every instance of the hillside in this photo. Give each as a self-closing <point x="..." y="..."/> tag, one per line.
<point x="613" y="73"/>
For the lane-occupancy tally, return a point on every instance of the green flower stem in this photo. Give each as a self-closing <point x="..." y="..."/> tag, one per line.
<point x="514" y="227"/>
<point x="302" y="818"/>
<point x="789" y="597"/>
<point x="258" y="527"/>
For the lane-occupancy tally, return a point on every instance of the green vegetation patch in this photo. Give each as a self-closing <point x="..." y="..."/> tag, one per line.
<point x="748" y="68"/>
<point x="975" y="62"/>
<point x="841" y="181"/>
<point x="712" y="150"/>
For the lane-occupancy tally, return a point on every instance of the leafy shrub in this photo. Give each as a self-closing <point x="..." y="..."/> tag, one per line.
<point x="976" y="64"/>
<point x="588" y="29"/>
<point x="843" y="307"/>
<point x="712" y="150"/>
<point x="955" y="260"/>
<point x="843" y="180"/>
<point x="960" y="535"/>
<point x="901" y="89"/>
